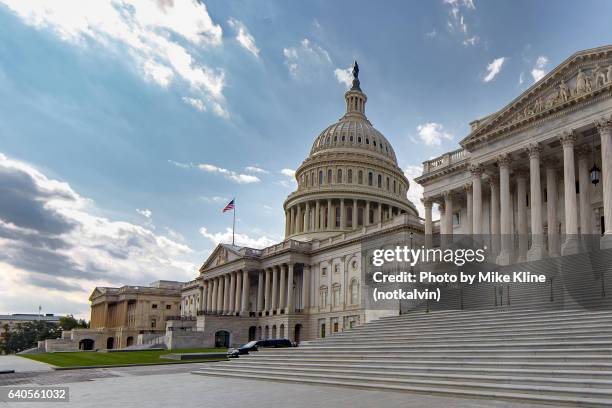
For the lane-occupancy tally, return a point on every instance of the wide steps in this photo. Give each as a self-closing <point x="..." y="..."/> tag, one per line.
<point x="557" y="357"/>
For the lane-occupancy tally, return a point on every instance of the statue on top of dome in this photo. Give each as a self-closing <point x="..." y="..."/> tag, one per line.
<point x="355" y="77"/>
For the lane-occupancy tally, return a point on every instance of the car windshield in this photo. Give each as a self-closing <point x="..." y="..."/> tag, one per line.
<point x="250" y="344"/>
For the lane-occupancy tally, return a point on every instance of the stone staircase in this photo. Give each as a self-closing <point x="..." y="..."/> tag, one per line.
<point x="557" y="357"/>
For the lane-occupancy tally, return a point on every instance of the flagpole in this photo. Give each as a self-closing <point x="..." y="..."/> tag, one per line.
<point x="234" y="223"/>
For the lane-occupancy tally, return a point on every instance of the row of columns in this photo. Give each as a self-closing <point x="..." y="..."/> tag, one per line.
<point x="317" y="215"/>
<point x="501" y="202"/>
<point x="229" y="294"/>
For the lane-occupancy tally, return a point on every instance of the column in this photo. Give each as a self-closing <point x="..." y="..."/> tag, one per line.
<point x="521" y="200"/>
<point x="274" y="304"/>
<point x="232" y="293"/>
<point x="494" y="227"/>
<point x="503" y="162"/>
<point x="299" y="224"/>
<point x="226" y="293"/>
<point x="238" y="301"/>
<point x="469" y="205"/>
<point x="283" y="289"/>
<point x="442" y="212"/>
<point x="305" y="287"/>
<point x="307" y="218"/>
<point x="448" y="213"/>
<point x="366" y="218"/>
<point x="292" y="222"/>
<point x="379" y="216"/>
<point x="570" y="246"/>
<point x="428" y="203"/>
<point x="476" y="199"/>
<point x="245" y="292"/>
<point x="213" y="305"/>
<point x="329" y="214"/>
<point x="537" y="250"/>
<point x="267" y="291"/>
<point x="605" y="132"/>
<point x="584" y="157"/>
<point x="317" y="220"/>
<point x="355" y="223"/>
<point x="290" y="288"/>
<point x="260" y="291"/>
<point x="551" y="207"/>
<point x="342" y="215"/>
<point x="220" y="295"/>
<point x="202" y="301"/>
<point x="287" y="223"/>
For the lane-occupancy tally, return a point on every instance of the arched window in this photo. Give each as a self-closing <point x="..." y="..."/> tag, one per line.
<point x="394" y="187"/>
<point x="354" y="289"/>
<point x="320" y="177"/>
<point x="388" y="184"/>
<point x="360" y="177"/>
<point x="329" y="176"/>
<point x="339" y="176"/>
<point x="349" y="175"/>
<point x="370" y="178"/>
<point x="379" y="181"/>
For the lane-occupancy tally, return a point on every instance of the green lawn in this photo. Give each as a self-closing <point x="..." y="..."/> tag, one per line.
<point x="84" y="359"/>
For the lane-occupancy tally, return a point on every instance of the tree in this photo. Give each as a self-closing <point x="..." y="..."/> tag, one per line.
<point x="67" y="323"/>
<point x="27" y="335"/>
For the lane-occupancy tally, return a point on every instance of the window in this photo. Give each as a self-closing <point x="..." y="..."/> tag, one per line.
<point x="336" y="295"/>
<point x="394" y="187"/>
<point x="349" y="175"/>
<point x="329" y="176"/>
<point x="306" y="185"/>
<point x="153" y="323"/>
<point x="168" y="307"/>
<point x="379" y="181"/>
<point x="323" y="297"/>
<point x="323" y="271"/>
<point x="336" y="268"/>
<point x="354" y="289"/>
<point x="154" y="306"/>
<point x="370" y="178"/>
<point x="456" y="219"/>
<point x="339" y="176"/>
<point x="337" y="217"/>
<point x="320" y="177"/>
<point x="360" y="177"/>
<point x="388" y="184"/>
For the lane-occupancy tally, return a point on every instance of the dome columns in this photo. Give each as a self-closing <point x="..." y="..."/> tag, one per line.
<point x="337" y="215"/>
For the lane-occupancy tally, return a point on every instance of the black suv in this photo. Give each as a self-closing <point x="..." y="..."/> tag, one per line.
<point x="255" y="345"/>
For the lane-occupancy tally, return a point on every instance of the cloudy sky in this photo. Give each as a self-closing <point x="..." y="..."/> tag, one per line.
<point x="127" y="125"/>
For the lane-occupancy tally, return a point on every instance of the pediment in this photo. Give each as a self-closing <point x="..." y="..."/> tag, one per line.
<point x="582" y="76"/>
<point x="221" y="255"/>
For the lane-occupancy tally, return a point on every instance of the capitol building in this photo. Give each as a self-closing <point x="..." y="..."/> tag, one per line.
<point x="532" y="181"/>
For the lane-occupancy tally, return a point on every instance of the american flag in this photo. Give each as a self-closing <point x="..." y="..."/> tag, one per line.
<point x="229" y="206"/>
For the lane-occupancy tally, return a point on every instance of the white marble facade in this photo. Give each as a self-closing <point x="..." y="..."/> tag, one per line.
<point x="525" y="171"/>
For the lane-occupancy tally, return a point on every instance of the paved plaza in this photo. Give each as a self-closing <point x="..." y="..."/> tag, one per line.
<point x="21" y="364"/>
<point x="168" y="386"/>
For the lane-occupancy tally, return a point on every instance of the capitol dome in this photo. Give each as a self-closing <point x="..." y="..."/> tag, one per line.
<point x="350" y="180"/>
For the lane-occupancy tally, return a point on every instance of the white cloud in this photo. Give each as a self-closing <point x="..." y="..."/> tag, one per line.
<point x="244" y="38"/>
<point x="471" y="41"/>
<point x="432" y="134"/>
<point x="56" y="248"/>
<point x="240" y="239"/>
<point x="539" y="70"/>
<point x="415" y="191"/>
<point x="494" y="68"/>
<point x="255" y="169"/>
<point x="521" y="78"/>
<point x="432" y="34"/>
<point x="288" y="172"/>
<point x="181" y="165"/>
<point x="215" y="199"/>
<point x="303" y="59"/>
<point x="196" y="103"/>
<point x="157" y="35"/>
<point x="229" y="174"/>
<point x="344" y="76"/>
<point x="144" y="212"/>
